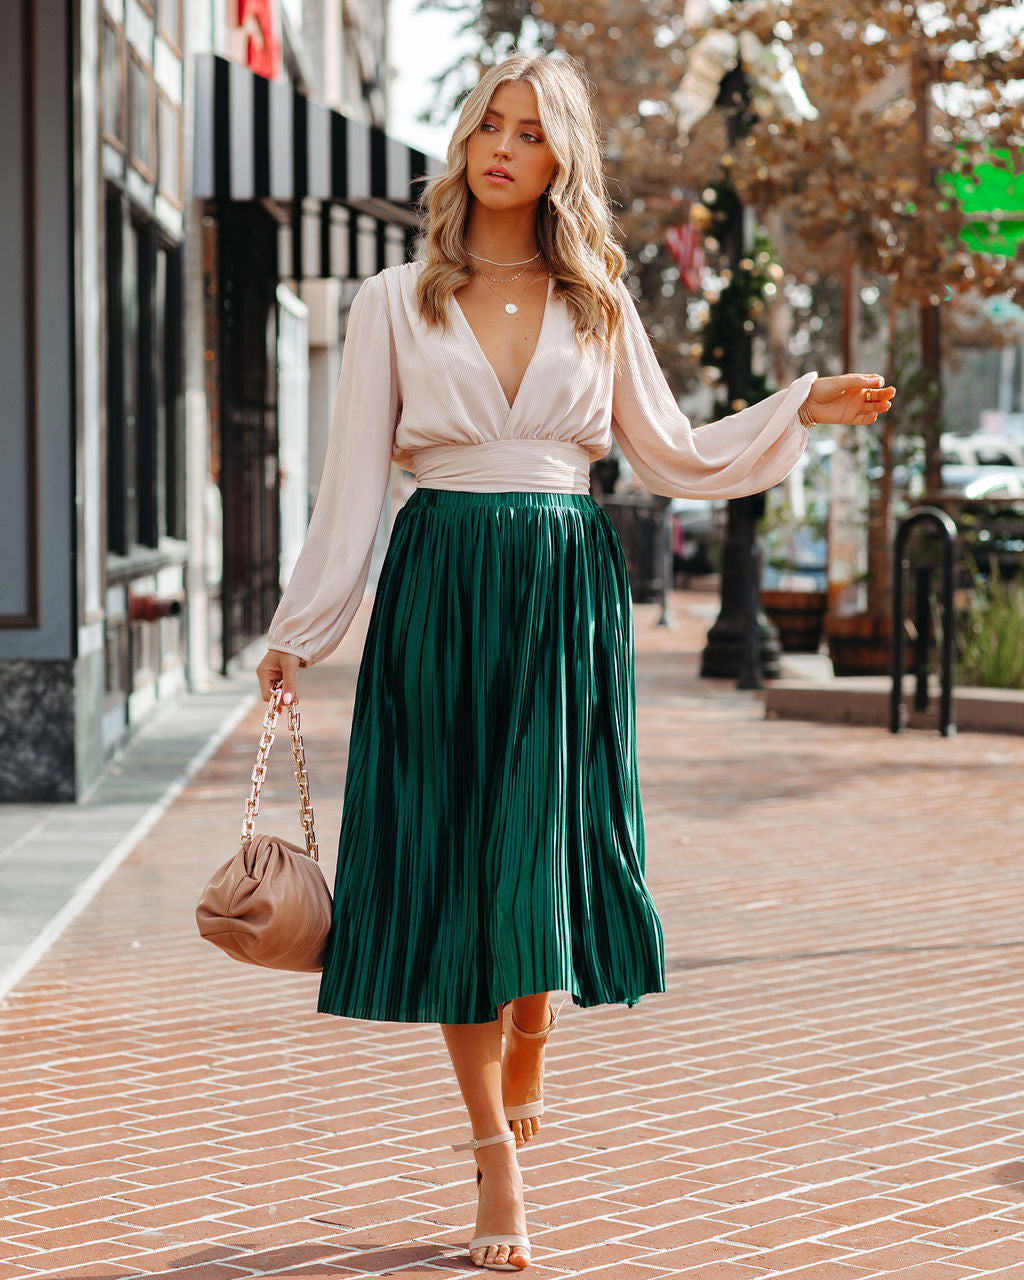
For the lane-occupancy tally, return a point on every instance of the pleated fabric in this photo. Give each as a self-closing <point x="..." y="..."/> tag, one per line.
<point x="427" y="397"/>
<point x="492" y="839"/>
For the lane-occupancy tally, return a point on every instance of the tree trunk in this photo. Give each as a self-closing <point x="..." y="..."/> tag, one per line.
<point x="848" y="315"/>
<point x="880" y="514"/>
<point x="931" y="355"/>
<point x="931" y="425"/>
<point x="880" y="531"/>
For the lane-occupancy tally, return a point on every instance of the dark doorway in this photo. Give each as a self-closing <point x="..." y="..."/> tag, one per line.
<point x="247" y="250"/>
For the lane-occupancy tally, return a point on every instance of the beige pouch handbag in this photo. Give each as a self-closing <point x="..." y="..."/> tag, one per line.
<point x="270" y="904"/>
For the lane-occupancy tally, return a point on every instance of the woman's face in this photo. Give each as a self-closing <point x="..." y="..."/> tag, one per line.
<point x="508" y="160"/>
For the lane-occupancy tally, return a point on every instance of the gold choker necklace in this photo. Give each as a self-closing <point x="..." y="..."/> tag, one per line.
<point x="492" y="263"/>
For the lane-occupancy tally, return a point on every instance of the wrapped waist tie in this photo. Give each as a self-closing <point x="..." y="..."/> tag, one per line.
<point x="505" y="466"/>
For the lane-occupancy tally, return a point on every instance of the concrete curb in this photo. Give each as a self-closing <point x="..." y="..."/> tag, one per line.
<point x="864" y="700"/>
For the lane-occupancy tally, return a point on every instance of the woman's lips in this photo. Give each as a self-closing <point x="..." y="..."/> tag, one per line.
<point x="495" y="175"/>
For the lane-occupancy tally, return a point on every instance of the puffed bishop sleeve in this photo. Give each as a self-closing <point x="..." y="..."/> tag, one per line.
<point x="330" y="573"/>
<point x="745" y="453"/>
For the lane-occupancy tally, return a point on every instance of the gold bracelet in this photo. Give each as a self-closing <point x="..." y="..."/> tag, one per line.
<point x="804" y="414"/>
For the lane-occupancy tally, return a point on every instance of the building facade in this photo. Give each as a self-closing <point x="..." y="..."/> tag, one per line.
<point x="203" y="185"/>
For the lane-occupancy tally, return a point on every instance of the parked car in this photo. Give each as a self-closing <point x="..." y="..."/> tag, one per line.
<point x="982" y="449"/>
<point x="980" y="482"/>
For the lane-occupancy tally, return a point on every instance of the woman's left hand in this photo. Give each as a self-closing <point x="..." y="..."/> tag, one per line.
<point x="853" y="398"/>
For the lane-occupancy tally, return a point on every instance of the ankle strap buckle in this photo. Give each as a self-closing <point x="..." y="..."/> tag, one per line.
<point x="474" y="1144"/>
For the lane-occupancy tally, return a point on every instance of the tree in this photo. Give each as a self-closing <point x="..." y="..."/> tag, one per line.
<point x="498" y="27"/>
<point x="634" y="55"/>
<point x="912" y="99"/>
<point x="904" y="94"/>
<point x="910" y="104"/>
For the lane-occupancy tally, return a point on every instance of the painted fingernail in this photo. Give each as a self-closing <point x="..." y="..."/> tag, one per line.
<point x="287" y="698"/>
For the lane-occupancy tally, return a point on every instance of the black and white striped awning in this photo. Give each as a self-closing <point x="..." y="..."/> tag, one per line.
<point x="261" y="139"/>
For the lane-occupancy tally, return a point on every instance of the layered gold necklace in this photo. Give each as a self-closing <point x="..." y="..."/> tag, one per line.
<point x="510" y="303"/>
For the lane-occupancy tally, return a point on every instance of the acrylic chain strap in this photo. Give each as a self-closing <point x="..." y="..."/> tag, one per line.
<point x="259" y="771"/>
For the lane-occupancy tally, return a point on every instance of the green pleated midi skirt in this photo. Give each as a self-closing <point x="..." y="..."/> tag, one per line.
<point x="492" y="840"/>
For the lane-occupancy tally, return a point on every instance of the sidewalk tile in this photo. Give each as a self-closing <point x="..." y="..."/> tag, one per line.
<point x="992" y="1257"/>
<point x="828" y="1089"/>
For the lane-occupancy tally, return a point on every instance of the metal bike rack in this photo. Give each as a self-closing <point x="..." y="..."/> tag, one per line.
<point x="945" y="527"/>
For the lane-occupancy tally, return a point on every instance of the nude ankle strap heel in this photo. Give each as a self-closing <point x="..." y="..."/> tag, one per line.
<point x="513" y="1240"/>
<point x="535" y="1035"/>
<point x="528" y="1110"/>
<point x="474" y="1144"/>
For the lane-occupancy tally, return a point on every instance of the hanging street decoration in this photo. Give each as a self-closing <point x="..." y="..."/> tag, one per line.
<point x="686" y="247"/>
<point x="769" y="66"/>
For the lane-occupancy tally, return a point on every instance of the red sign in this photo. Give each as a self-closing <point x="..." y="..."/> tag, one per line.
<point x="253" y="36"/>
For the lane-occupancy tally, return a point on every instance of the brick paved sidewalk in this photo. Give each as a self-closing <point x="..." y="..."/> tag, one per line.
<point x="831" y="1088"/>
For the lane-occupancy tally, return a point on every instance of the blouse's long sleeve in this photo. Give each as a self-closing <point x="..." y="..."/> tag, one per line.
<point x="330" y="573"/>
<point x="742" y="454"/>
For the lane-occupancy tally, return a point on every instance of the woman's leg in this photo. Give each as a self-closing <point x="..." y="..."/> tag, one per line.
<point x="522" y="1067"/>
<point x="475" y="1051"/>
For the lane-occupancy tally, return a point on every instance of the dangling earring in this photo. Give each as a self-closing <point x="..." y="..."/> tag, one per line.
<point x="551" y="204"/>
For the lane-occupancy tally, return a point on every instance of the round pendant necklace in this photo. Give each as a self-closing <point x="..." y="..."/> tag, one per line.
<point x="510" y="303"/>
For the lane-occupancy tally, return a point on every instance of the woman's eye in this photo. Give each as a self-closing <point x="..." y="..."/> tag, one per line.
<point x="487" y="126"/>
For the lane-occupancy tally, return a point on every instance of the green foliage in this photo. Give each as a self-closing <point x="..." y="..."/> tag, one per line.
<point x="784" y="534"/>
<point x="990" y="639"/>
<point x="734" y="313"/>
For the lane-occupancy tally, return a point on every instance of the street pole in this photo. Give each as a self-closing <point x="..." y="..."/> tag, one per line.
<point x="741" y="643"/>
<point x="667" y="565"/>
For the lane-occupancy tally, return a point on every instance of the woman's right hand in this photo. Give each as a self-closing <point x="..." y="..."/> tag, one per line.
<point x="278" y="666"/>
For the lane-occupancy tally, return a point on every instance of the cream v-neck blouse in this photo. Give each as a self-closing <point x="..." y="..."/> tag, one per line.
<point x="429" y="400"/>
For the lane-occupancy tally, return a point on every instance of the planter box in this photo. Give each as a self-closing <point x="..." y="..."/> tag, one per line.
<point x="798" y="617"/>
<point x="860" y="644"/>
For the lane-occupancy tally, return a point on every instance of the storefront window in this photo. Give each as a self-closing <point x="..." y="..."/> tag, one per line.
<point x="113" y="84"/>
<point x="168" y="136"/>
<point x="121" y="397"/>
<point x="168" y="21"/>
<point x="145" y="449"/>
<point x="141" y="105"/>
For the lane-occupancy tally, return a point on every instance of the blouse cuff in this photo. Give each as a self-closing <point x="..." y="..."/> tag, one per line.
<point x="296" y="650"/>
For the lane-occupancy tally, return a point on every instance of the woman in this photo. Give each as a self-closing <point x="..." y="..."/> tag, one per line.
<point x="492" y="842"/>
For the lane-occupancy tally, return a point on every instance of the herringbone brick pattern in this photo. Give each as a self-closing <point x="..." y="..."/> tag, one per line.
<point x="829" y="1090"/>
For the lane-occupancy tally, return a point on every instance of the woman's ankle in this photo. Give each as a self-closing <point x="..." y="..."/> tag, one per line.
<point x="532" y="1013"/>
<point x="498" y="1156"/>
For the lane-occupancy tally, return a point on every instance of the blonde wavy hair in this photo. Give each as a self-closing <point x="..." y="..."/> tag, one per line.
<point x="574" y="220"/>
